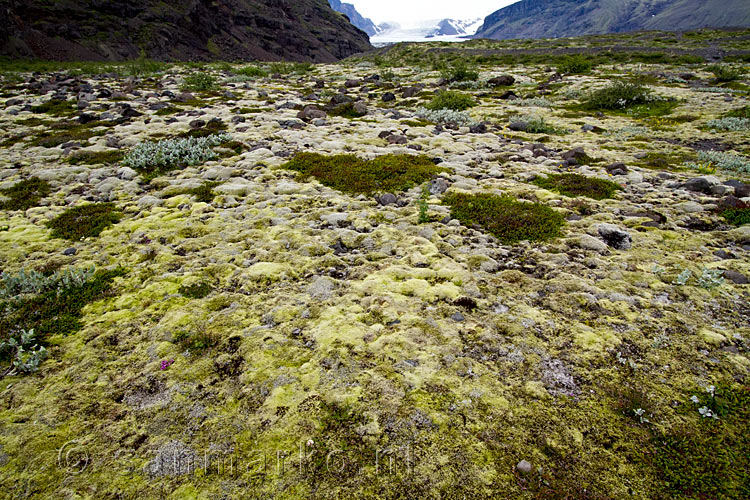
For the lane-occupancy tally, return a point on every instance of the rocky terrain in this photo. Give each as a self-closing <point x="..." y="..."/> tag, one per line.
<point x="239" y="30"/>
<point x="564" y="18"/>
<point x="412" y="274"/>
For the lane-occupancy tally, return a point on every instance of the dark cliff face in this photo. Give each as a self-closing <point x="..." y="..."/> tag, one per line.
<point x="560" y="18"/>
<point x="293" y="30"/>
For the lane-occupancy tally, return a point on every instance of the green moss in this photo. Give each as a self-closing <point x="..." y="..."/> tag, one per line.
<point x="84" y="221"/>
<point x="25" y="194"/>
<point x="350" y="174"/>
<point x="737" y="216"/>
<point x="55" y="107"/>
<point x="450" y="99"/>
<point x="95" y="158"/>
<point x="54" y="313"/>
<point x="196" y="290"/>
<point x="507" y="219"/>
<point x="198" y="340"/>
<point x="573" y="185"/>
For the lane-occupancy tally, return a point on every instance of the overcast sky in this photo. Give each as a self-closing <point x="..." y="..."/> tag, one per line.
<point x="411" y="12"/>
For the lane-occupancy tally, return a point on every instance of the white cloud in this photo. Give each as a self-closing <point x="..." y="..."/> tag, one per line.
<point x="413" y="12"/>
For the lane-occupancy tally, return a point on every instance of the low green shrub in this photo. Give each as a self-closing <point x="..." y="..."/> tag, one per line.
<point x="617" y="96"/>
<point x="575" y="65"/>
<point x="155" y="158"/>
<point x="725" y="74"/>
<point x="25" y="194"/>
<point x="84" y="221"/>
<point x="54" y="309"/>
<point x="252" y="71"/>
<point x="350" y="174"/>
<point x="460" y="72"/>
<point x="199" y="82"/>
<point x="573" y="185"/>
<point x="737" y="216"/>
<point x="452" y="100"/>
<point x="507" y="219"/>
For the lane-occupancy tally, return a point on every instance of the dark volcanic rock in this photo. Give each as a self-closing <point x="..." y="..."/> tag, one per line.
<point x="501" y="81"/>
<point x="303" y="30"/>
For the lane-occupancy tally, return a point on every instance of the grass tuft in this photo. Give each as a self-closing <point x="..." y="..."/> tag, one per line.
<point x="25" y="194"/>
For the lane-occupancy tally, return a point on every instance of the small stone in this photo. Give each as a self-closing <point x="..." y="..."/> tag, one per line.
<point x="737" y="278"/>
<point x="614" y="236"/>
<point x="616" y="169"/>
<point x="588" y="242"/>
<point x="689" y="207"/>
<point x="501" y="81"/>
<point x="524" y="467"/>
<point x="438" y="186"/>
<point x="389" y="97"/>
<point x="457" y="317"/>
<point x="70" y="251"/>
<point x="519" y="126"/>
<point x="387" y="199"/>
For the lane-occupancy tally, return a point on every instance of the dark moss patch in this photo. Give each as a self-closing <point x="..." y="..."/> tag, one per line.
<point x="32" y="122"/>
<point x="64" y="132"/>
<point x="706" y="458"/>
<point x="203" y="193"/>
<point x="200" y="340"/>
<point x="743" y="112"/>
<point x="25" y="194"/>
<point x="12" y="140"/>
<point x="167" y="111"/>
<point x="91" y="158"/>
<point x="84" y="221"/>
<point x="345" y="110"/>
<point x="212" y="127"/>
<point x="55" y="107"/>
<point x="53" y="313"/>
<point x="350" y="174"/>
<point x="737" y="216"/>
<point x="505" y="218"/>
<point x="664" y="161"/>
<point x="573" y="185"/>
<point x="196" y="290"/>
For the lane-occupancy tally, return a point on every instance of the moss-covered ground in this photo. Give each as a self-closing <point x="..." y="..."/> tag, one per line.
<point x="267" y="324"/>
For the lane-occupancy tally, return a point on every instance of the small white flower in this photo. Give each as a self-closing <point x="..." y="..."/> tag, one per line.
<point x="695" y="399"/>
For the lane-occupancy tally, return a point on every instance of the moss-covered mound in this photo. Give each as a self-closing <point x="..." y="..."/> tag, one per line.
<point x="25" y="194"/>
<point x="350" y="174"/>
<point x="450" y="99"/>
<point x="84" y="221"/>
<point x="504" y="217"/>
<point x="574" y="185"/>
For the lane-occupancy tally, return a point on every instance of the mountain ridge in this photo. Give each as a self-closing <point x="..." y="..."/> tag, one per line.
<point x="302" y="30"/>
<point x="365" y="24"/>
<point x="562" y="18"/>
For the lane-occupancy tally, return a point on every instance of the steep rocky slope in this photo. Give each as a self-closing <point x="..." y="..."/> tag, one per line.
<point x="357" y="19"/>
<point x="302" y="30"/>
<point x="560" y="18"/>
